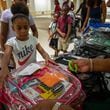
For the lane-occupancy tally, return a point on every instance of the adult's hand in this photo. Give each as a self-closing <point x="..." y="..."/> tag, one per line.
<point x="83" y="65"/>
<point x="44" y="105"/>
<point x="48" y="105"/>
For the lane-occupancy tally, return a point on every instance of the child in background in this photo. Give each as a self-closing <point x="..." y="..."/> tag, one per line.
<point x="23" y="46"/>
<point x="53" y="34"/>
<point x="71" y="8"/>
<point x="57" y="8"/>
<point x="64" y="27"/>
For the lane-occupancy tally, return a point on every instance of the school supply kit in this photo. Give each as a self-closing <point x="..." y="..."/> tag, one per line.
<point x="32" y="83"/>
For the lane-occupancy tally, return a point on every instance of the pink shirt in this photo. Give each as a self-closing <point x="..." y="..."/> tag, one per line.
<point x="57" y="8"/>
<point x="63" y="23"/>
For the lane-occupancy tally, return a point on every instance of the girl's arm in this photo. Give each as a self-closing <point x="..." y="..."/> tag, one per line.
<point x="79" y="8"/>
<point x="4" y="63"/>
<point x="68" y="32"/>
<point x="104" y="10"/>
<point x="50" y="33"/>
<point x="43" y="53"/>
<point x="60" y="33"/>
<point x="34" y="30"/>
<point x="49" y="30"/>
<point x="87" y="18"/>
<point x="33" y="26"/>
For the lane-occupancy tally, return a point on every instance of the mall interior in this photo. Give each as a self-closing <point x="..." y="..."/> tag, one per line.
<point x="42" y="8"/>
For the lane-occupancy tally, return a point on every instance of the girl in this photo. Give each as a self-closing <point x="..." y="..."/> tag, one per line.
<point x="23" y="46"/>
<point x="53" y="34"/>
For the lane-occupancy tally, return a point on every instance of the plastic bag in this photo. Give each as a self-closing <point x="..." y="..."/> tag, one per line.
<point x="28" y="87"/>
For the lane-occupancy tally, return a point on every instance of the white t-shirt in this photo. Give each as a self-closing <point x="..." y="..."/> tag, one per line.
<point x="53" y="26"/>
<point x="23" y="51"/>
<point x="6" y="18"/>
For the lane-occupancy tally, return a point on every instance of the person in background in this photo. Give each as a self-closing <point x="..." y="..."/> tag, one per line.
<point x="23" y="46"/>
<point x="93" y="65"/>
<point x="96" y="12"/>
<point x="64" y="26"/>
<point x="71" y="9"/>
<point x="53" y="38"/>
<point x="6" y="29"/>
<point x="83" y="8"/>
<point x="69" y="3"/>
<point x="19" y="8"/>
<point x="57" y="8"/>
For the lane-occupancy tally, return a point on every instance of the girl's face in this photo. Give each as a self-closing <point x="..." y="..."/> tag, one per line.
<point x="55" y="17"/>
<point x="64" y="10"/>
<point x="21" y="27"/>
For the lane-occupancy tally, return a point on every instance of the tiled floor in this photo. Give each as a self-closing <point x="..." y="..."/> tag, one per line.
<point x="43" y="39"/>
<point x="42" y="24"/>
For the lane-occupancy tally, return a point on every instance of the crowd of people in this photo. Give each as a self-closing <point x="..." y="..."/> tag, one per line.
<point x="15" y="38"/>
<point x="92" y="11"/>
<point x="63" y="30"/>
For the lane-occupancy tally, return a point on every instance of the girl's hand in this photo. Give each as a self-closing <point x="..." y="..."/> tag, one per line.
<point x="81" y="30"/>
<point x="49" y="60"/>
<point x="3" y="74"/>
<point x="63" y="35"/>
<point x="1" y="82"/>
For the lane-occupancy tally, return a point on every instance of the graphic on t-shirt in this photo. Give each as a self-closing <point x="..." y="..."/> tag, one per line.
<point x="24" y="61"/>
<point x="25" y="54"/>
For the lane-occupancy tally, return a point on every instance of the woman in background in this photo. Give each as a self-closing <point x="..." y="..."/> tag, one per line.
<point x="95" y="12"/>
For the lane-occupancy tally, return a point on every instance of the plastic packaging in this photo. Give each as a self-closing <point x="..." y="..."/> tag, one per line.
<point x="46" y="82"/>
